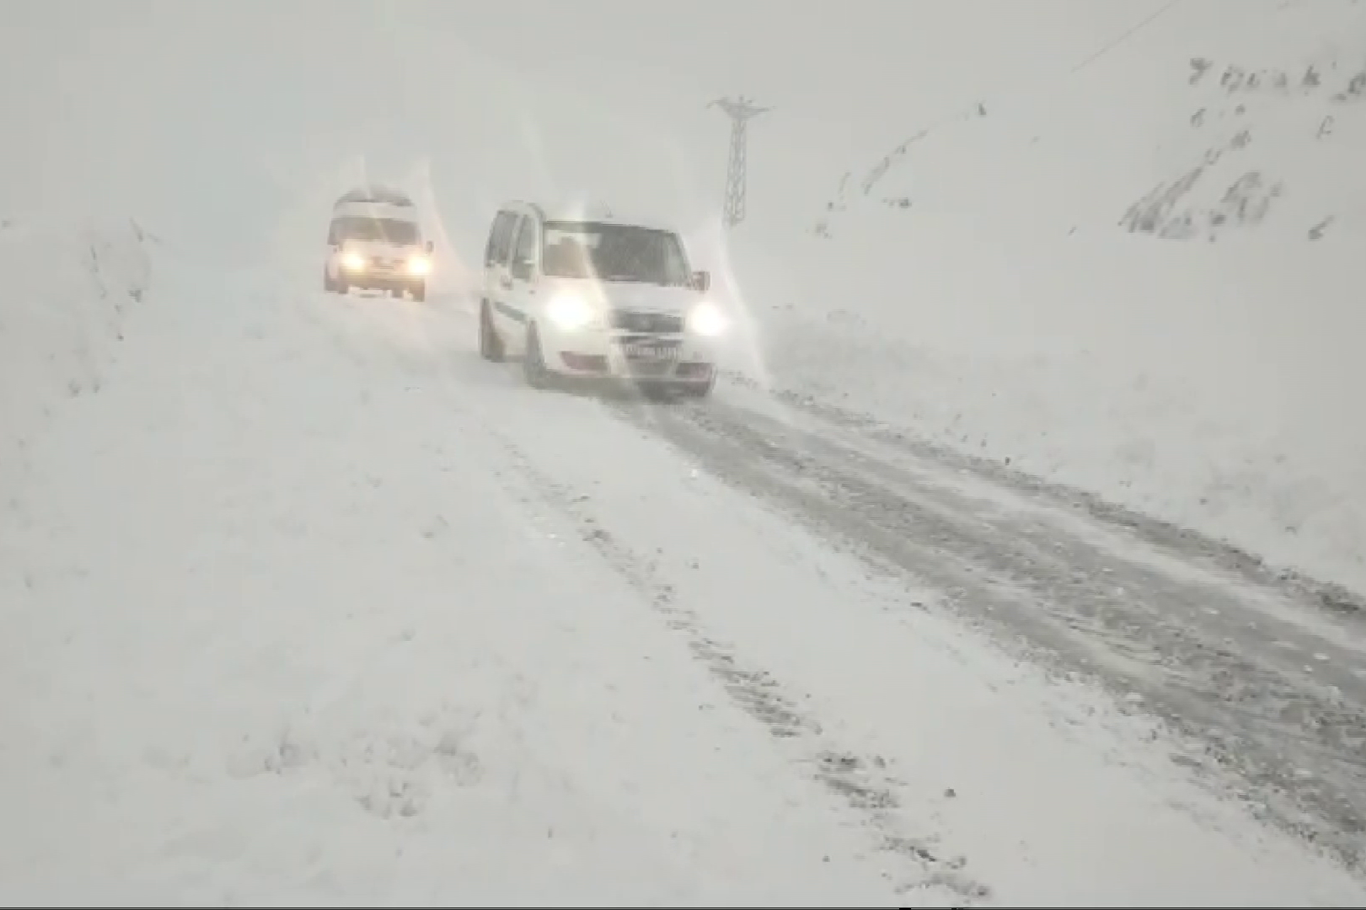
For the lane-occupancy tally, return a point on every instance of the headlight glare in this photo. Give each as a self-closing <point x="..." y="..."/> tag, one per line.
<point x="569" y="312"/>
<point x="707" y="319"/>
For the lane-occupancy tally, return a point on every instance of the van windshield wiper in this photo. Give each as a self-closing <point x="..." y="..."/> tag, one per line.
<point x="632" y="278"/>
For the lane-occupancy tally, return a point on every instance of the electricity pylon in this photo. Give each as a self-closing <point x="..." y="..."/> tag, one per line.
<point x="741" y="111"/>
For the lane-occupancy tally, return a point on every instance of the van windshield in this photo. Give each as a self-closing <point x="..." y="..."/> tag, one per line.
<point x="613" y="252"/>
<point x="387" y="229"/>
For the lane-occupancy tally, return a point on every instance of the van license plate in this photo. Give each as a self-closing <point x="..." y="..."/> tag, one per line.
<point x="651" y="351"/>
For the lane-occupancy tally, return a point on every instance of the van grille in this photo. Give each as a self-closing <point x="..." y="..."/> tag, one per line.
<point x="634" y="321"/>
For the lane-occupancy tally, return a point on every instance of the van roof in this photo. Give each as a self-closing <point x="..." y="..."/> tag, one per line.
<point x="579" y="210"/>
<point x="374" y="193"/>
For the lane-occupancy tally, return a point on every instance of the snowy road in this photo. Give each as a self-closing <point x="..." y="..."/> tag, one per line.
<point x="309" y="604"/>
<point x="1261" y="677"/>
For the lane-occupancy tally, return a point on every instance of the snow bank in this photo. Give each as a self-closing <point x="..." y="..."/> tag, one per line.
<point x="1011" y="284"/>
<point x="343" y="651"/>
<point x="1145" y="373"/>
<point x="68" y="294"/>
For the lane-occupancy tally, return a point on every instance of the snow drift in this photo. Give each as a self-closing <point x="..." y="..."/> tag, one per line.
<point x="68" y="294"/>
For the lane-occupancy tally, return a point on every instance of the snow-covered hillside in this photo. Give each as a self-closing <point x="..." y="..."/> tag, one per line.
<point x="1202" y="121"/>
<point x="1139" y="275"/>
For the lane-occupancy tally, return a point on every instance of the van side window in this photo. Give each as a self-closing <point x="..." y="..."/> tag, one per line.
<point x="505" y="240"/>
<point x="493" y="232"/>
<point x="526" y="241"/>
<point x="493" y="238"/>
<point x="500" y="238"/>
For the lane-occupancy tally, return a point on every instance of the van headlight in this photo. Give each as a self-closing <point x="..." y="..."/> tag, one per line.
<point x="353" y="261"/>
<point x="706" y="319"/>
<point x="569" y="312"/>
<point x="419" y="265"/>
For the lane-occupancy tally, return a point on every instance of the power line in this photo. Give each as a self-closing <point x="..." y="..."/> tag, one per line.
<point x="1120" y="39"/>
<point x="978" y="108"/>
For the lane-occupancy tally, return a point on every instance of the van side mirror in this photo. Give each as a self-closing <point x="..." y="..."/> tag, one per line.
<point x="701" y="281"/>
<point x="430" y="246"/>
<point x="521" y="269"/>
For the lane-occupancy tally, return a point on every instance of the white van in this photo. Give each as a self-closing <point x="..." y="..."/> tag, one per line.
<point x="578" y="293"/>
<point x="374" y="242"/>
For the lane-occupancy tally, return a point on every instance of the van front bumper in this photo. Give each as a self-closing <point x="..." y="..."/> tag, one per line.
<point x="375" y="281"/>
<point x="659" y="359"/>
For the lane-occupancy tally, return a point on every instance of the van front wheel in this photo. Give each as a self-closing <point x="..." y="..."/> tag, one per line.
<point x="537" y="374"/>
<point x="490" y="345"/>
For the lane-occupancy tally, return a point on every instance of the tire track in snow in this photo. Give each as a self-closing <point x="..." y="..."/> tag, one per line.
<point x="1312" y="594"/>
<point x="1157" y="640"/>
<point x="860" y="782"/>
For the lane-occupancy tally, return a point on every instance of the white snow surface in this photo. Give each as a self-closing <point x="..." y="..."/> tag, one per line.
<point x="302" y="603"/>
<point x="308" y="605"/>
<point x="1008" y="310"/>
